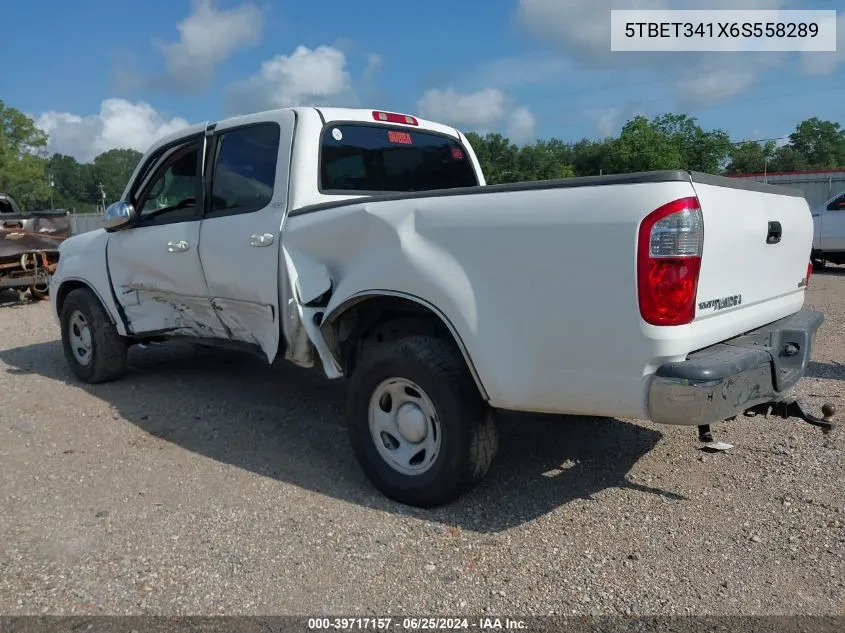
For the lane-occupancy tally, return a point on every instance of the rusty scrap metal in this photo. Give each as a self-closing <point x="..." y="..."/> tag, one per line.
<point x="29" y="248"/>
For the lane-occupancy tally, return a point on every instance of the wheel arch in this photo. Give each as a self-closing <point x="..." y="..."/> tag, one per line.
<point x="360" y="315"/>
<point x="69" y="285"/>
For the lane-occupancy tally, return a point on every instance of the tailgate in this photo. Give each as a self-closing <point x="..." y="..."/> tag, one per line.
<point x="757" y="242"/>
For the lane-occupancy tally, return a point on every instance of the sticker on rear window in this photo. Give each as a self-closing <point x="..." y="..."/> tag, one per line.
<point x="403" y="138"/>
<point x="457" y="154"/>
<point x="337" y="134"/>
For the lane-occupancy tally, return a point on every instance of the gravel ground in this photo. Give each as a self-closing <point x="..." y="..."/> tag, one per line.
<point x="206" y="483"/>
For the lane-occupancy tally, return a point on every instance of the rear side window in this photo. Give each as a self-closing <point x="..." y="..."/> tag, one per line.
<point x="376" y="158"/>
<point x="245" y="169"/>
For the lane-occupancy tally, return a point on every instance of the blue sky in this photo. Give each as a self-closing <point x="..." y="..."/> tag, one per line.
<point x="98" y="74"/>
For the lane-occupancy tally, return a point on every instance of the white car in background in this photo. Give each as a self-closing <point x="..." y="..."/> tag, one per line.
<point x="829" y="231"/>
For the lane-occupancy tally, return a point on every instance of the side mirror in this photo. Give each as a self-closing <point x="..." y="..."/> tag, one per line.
<point x="119" y="215"/>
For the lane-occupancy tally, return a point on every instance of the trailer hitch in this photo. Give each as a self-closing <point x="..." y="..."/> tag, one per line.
<point x="794" y="409"/>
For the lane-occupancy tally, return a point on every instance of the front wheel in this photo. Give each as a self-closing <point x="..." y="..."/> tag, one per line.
<point x="417" y="424"/>
<point x="92" y="346"/>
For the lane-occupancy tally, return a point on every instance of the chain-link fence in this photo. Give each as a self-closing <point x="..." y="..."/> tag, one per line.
<point x="84" y="222"/>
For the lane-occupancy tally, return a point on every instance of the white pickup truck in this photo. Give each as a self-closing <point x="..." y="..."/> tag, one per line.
<point x="368" y="243"/>
<point x="829" y="231"/>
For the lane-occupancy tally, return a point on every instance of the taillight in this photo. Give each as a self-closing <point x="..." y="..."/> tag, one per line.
<point x="809" y="272"/>
<point x="668" y="262"/>
<point x="391" y="117"/>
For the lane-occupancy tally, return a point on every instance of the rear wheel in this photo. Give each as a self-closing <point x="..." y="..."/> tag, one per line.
<point x="92" y="346"/>
<point x="417" y="424"/>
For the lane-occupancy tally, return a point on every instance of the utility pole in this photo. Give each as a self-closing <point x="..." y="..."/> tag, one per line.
<point x="52" y="185"/>
<point x="102" y="196"/>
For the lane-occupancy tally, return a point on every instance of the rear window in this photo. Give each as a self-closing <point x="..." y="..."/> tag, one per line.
<point x="379" y="158"/>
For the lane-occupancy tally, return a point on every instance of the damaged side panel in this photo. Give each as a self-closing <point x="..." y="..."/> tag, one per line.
<point x="382" y="250"/>
<point x="246" y="322"/>
<point x="306" y="281"/>
<point x="151" y="310"/>
<point x="162" y="290"/>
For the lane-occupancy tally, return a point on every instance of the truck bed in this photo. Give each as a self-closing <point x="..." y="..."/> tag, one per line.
<point x="506" y="262"/>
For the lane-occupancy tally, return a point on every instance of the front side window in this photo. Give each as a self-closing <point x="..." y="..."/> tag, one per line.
<point x="172" y="194"/>
<point x="838" y="204"/>
<point x="378" y="158"/>
<point x="245" y="169"/>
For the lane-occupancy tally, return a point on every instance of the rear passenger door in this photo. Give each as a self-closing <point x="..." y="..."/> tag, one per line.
<point x="240" y="234"/>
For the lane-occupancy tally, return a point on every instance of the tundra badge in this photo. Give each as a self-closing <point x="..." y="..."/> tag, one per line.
<point x="720" y="304"/>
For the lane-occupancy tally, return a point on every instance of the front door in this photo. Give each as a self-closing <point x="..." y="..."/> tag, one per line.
<point x="832" y="236"/>
<point x="155" y="264"/>
<point x="246" y="198"/>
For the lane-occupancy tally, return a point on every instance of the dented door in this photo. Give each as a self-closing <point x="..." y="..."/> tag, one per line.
<point x="246" y="197"/>
<point x="155" y="265"/>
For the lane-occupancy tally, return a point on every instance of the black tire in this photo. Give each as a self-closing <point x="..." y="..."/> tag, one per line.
<point x="108" y="349"/>
<point x="469" y="437"/>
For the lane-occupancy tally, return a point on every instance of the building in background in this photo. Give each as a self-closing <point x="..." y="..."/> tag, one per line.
<point x="818" y="186"/>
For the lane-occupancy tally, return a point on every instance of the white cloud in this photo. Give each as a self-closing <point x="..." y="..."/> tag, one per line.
<point x="374" y="64"/>
<point x="580" y="29"/>
<point x="482" y="108"/>
<point x="369" y="78"/>
<point x="305" y="76"/>
<point x="583" y="26"/>
<point x="207" y="37"/>
<point x="607" y="122"/>
<point x="522" y="126"/>
<point x="717" y="78"/>
<point x="480" y="111"/>
<point x="827" y="62"/>
<point x="119" y="124"/>
<point x="522" y="70"/>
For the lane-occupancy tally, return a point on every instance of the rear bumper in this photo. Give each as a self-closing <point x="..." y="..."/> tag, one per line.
<point x="726" y="379"/>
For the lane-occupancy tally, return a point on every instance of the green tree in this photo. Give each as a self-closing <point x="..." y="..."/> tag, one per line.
<point x="751" y="158"/>
<point x="592" y="158"/>
<point x="545" y="160"/>
<point x="700" y="150"/>
<point x="27" y="182"/>
<point x="497" y="156"/>
<point x="643" y="146"/>
<point x="72" y="182"/>
<point x="113" y="169"/>
<point x="821" y="144"/>
<point x="21" y="170"/>
<point x="787" y="158"/>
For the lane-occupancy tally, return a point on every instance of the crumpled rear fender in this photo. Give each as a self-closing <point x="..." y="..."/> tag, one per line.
<point x="337" y="258"/>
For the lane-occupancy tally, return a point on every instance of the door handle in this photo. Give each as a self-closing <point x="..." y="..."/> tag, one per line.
<point x="178" y="246"/>
<point x="815" y="215"/>
<point x="774" y="234"/>
<point x="261" y="239"/>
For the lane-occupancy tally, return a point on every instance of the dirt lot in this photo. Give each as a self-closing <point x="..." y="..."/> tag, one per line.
<point x="206" y="483"/>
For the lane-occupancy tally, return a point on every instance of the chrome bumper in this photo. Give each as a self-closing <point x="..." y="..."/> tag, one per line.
<point x="727" y="379"/>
